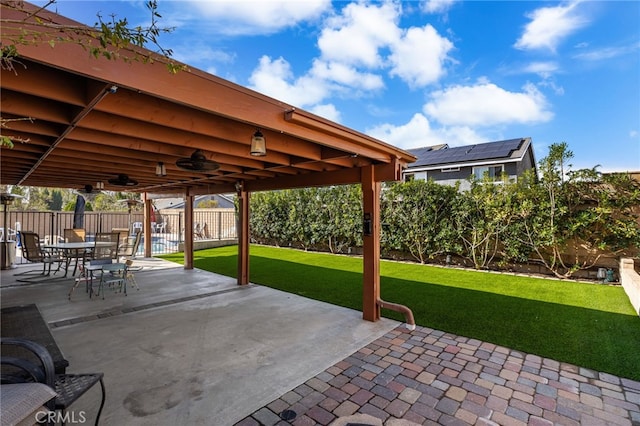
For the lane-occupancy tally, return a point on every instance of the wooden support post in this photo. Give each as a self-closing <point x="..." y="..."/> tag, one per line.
<point x="371" y="245"/>
<point x="243" y="235"/>
<point x="146" y="225"/>
<point x="188" y="230"/>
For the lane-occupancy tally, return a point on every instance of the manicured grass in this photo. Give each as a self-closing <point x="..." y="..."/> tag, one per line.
<point x="589" y="325"/>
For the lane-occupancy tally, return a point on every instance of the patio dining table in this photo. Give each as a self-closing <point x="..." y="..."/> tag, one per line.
<point x="75" y="250"/>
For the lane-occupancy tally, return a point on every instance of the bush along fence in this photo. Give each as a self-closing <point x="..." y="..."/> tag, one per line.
<point x="565" y="227"/>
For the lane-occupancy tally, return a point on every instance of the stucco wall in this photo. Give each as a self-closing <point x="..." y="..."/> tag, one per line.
<point x="630" y="281"/>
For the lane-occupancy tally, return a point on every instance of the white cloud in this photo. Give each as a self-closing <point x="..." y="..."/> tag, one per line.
<point x="328" y="111"/>
<point x="199" y="52"/>
<point x="257" y="17"/>
<point x="418" y="133"/>
<point x="544" y="69"/>
<point x="437" y="6"/>
<point x="345" y="74"/>
<point x="419" y="57"/>
<point x="272" y="77"/>
<point x="486" y="104"/>
<point x="352" y="59"/>
<point x="355" y="36"/>
<point x="607" y="53"/>
<point x="549" y="26"/>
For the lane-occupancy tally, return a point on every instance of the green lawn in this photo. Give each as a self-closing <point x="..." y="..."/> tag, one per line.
<point x="589" y="325"/>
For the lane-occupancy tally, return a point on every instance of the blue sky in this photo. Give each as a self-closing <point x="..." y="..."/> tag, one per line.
<point x="421" y="73"/>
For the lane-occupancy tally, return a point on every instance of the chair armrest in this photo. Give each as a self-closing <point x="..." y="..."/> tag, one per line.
<point x="43" y="373"/>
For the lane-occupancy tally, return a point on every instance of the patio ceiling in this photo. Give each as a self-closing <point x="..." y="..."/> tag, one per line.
<point x="92" y="119"/>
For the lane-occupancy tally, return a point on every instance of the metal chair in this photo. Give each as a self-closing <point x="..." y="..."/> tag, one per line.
<point x="102" y="250"/>
<point x="130" y="247"/>
<point x="76" y="235"/>
<point x="33" y="252"/>
<point x="31" y="362"/>
<point x="113" y="278"/>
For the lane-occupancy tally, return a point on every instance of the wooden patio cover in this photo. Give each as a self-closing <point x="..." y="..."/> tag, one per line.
<point x="91" y="119"/>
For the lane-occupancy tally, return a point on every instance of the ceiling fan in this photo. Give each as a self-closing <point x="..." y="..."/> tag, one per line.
<point x="197" y="163"/>
<point x="123" y="180"/>
<point x="87" y="190"/>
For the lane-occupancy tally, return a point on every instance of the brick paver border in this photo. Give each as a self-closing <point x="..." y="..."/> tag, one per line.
<point x="430" y="377"/>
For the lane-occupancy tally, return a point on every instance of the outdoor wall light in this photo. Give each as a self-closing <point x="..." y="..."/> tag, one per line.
<point x="99" y="186"/>
<point x="161" y="169"/>
<point x="258" y="144"/>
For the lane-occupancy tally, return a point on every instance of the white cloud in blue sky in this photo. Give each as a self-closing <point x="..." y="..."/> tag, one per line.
<point x="486" y="104"/>
<point x="247" y="17"/>
<point x="551" y="25"/>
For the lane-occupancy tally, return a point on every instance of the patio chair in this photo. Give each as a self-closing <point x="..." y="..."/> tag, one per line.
<point x="75" y="235"/>
<point x="136" y="227"/>
<point x="197" y="230"/>
<point x="161" y="227"/>
<point x="124" y="234"/>
<point x="33" y="252"/>
<point x="130" y="247"/>
<point x="104" y="250"/>
<point x="25" y="361"/>
<point x="114" y="276"/>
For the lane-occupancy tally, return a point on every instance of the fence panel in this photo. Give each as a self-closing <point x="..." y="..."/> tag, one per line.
<point x="215" y="224"/>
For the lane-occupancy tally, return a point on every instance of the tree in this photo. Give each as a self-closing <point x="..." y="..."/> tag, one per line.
<point x="571" y="218"/>
<point x="269" y="217"/>
<point x="340" y="219"/>
<point x="417" y="217"/>
<point x="484" y="215"/>
<point x="207" y="204"/>
<point x="55" y="202"/>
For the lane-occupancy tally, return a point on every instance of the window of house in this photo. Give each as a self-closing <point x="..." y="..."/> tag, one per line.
<point x="492" y="172"/>
<point x="450" y="169"/>
<point x="420" y="176"/>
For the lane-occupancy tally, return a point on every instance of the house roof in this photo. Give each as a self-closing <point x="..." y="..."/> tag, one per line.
<point x="506" y="150"/>
<point x="91" y="119"/>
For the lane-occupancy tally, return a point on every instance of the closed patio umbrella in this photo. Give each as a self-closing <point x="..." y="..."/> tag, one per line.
<point x="78" y="213"/>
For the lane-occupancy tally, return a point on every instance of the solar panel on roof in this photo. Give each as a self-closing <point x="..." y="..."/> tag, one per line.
<point x="501" y="149"/>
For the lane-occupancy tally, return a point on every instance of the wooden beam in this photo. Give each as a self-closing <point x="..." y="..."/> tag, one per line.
<point x="147" y="226"/>
<point x="243" y="235"/>
<point x="371" y="245"/>
<point x="188" y="230"/>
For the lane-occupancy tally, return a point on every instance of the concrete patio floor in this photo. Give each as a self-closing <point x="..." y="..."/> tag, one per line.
<point x="193" y="348"/>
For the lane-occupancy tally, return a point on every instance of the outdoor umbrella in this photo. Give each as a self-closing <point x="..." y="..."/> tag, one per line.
<point x="78" y="213"/>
